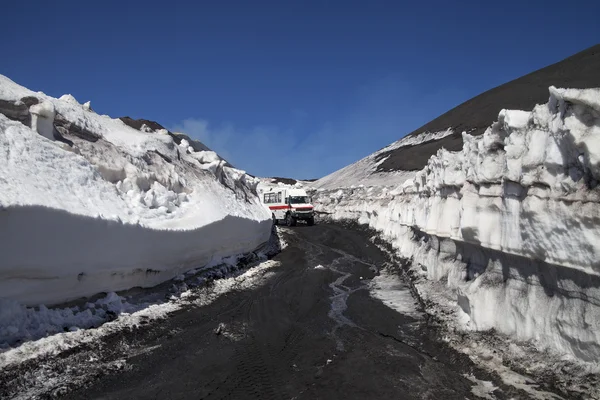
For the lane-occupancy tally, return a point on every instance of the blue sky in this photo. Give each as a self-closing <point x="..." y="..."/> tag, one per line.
<point x="286" y="88"/>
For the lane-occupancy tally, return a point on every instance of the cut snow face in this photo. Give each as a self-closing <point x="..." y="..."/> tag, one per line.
<point x="92" y="205"/>
<point x="504" y="234"/>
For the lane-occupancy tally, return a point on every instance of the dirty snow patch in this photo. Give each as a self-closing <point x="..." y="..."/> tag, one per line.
<point x="394" y="293"/>
<point x="482" y="389"/>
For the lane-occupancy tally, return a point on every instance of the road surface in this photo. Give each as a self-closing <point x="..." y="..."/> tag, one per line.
<point x="312" y="330"/>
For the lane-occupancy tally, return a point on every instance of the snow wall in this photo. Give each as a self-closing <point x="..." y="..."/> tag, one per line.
<point x="89" y="204"/>
<point x="511" y="223"/>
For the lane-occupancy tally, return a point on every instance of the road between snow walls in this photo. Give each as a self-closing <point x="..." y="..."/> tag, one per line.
<point x="90" y="205"/>
<point x="502" y="237"/>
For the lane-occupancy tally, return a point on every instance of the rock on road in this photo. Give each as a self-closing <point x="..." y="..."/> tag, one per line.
<point x="312" y="330"/>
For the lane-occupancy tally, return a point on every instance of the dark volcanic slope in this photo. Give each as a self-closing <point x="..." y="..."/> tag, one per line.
<point x="581" y="70"/>
<point x="137" y="123"/>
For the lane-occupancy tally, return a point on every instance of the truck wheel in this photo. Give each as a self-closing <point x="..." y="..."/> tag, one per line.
<point x="289" y="221"/>
<point x="310" y="222"/>
<point x="275" y="221"/>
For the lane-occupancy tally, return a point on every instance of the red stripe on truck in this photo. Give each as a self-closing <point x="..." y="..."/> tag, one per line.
<point x="286" y="206"/>
<point x="278" y="207"/>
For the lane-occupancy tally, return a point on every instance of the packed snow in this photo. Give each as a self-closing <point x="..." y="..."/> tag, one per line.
<point x="510" y="225"/>
<point x="90" y="205"/>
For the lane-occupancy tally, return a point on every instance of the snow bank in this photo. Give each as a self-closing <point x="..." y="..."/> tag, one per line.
<point x="89" y="204"/>
<point x="511" y="223"/>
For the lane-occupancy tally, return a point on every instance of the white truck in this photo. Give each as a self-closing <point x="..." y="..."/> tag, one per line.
<point x="289" y="205"/>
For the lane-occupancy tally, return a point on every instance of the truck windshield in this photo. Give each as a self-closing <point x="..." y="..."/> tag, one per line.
<point x="298" y="200"/>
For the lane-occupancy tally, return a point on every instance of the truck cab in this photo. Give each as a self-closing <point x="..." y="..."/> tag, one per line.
<point x="289" y="206"/>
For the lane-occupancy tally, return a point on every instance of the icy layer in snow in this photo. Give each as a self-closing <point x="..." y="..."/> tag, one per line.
<point x="363" y="172"/>
<point x="90" y="205"/>
<point x="511" y="223"/>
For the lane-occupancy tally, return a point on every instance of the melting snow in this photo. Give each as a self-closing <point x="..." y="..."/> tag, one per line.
<point x="394" y="293"/>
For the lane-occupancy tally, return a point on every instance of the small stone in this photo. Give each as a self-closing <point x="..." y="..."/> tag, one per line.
<point x="220" y="329"/>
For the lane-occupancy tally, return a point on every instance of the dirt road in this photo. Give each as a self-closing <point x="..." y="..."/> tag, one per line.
<point x="312" y="330"/>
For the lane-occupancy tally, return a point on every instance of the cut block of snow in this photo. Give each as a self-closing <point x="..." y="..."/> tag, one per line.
<point x="42" y="119"/>
<point x="206" y="157"/>
<point x="69" y="99"/>
<point x="515" y="119"/>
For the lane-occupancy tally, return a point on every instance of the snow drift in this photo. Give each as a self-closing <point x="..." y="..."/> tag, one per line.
<point x="89" y="204"/>
<point x="511" y="223"/>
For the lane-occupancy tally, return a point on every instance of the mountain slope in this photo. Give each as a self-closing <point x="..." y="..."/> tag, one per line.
<point x="579" y="71"/>
<point x="412" y="152"/>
